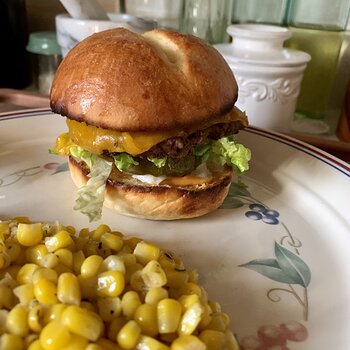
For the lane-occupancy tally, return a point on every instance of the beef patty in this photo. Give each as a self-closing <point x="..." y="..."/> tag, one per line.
<point x="182" y="146"/>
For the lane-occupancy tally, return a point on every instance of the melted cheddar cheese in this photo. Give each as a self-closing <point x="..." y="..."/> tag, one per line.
<point x="96" y="140"/>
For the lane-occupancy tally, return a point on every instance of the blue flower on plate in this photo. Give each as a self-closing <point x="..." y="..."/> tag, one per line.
<point x="260" y="212"/>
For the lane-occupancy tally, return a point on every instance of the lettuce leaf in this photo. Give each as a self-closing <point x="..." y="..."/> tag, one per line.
<point x="225" y="151"/>
<point x="123" y="161"/>
<point x="90" y="196"/>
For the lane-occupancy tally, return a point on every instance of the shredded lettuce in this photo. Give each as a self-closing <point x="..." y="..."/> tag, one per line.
<point x="123" y="161"/>
<point x="225" y="151"/>
<point x="90" y="197"/>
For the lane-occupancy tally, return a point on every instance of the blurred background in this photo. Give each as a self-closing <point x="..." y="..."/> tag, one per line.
<point x="320" y="28"/>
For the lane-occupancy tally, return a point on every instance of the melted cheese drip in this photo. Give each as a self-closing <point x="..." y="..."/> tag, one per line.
<point x="97" y="140"/>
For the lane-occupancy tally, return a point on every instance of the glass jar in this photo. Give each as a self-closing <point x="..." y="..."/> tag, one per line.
<point x="207" y="19"/>
<point x="258" y="11"/>
<point x="317" y="28"/>
<point x="46" y="56"/>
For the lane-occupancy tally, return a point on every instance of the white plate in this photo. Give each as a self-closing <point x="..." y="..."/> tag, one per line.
<point x="296" y="265"/>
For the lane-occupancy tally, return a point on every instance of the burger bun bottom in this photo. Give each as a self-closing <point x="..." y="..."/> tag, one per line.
<point x="159" y="202"/>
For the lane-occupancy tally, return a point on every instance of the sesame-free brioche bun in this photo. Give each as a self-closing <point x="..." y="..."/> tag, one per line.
<point x="129" y="197"/>
<point x="156" y="81"/>
<point x="146" y="103"/>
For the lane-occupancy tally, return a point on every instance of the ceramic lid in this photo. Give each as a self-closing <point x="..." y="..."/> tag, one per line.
<point x="260" y="44"/>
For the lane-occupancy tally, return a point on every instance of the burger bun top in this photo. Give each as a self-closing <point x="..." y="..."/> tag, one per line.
<point x="160" y="80"/>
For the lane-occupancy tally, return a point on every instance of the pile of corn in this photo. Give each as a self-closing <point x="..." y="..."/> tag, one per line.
<point x="100" y="290"/>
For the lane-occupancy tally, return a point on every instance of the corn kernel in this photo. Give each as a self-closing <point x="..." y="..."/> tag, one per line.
<point x="109" y="308"/>
<point x="114" y="327"/>
<point x="84" y="232"/>
<point x="206" y="316"/>
<point x="145" y="252"/>
<point x="176" y="278"/>
<point x="146" y="342"/>
<point x="54" y="336"/>
<point x="44" y="273"/>
<point x="76" y="342"/>
<point x="129" y="335"/>
<point x="29" y="234"/>
<point x="36" y="253"/>
<point x="231" y="341"/>
<point x="82" y="322"/>
<point x="71" y="229"/>
<point x="61" y="239"/>
<point x="131" y="269"/>
<point x="91" y="266"/>
<point x="3" y="318"/>
<point x="193" y="276"/>
<point x="132" y="242"/>
<point x="113" y="263"/>
<point x="153" y="275"/>
<point x="136" y="281"/>
<point x="24" y="293"/>
<point x="14" y="251"/>
<point x="78" y="258"/>
<point x="110" y="283"/>
<point x="219" y="322"/>
<point x="11" y="342"/>
<point x="4" y="229"/>
<point x="112" y="241"/>
<point x="16" y="322"/>
<point x="22" y="219"/>
<point x="168" y="315"/>
<point x="94" y="346"/>
<point x="35" y="318"/>
<point x="106" y="344"/>
<point x="29" y="339"/>
<point x="88" y="306"/>
<point x="46" y="292"/>
<point x="68" y="289"/>
<point x="25" y="273"/>
<point x="99" y="231"/>
<point x="156" y="294"/>
<point x="7" y="299"/>
<point x="189" y="342"/>
<point x="35" y="345"/>
<point x="190" y="319"/>
<point x="65" y="256"/>
<point x="50" y="260"/>
<point x="53" y="313"/>
<point x="130" y="302"/>
<point x="213" y="339"/>
<point x="146" y="317"/>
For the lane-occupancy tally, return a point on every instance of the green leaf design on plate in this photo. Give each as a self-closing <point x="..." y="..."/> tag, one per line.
<point x="269" y="268"/>
<point x="231" y="203"/>
<point x="286" y="268"/>
<point x="292" y="266"/>
<point x="239" y="190"/>
<point x="61" y="168"/>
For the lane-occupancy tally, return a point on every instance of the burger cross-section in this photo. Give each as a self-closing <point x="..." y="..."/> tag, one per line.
<point x="151" y="120"/>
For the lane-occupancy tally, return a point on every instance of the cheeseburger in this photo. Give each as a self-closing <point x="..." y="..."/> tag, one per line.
<point x="151" y="120"/>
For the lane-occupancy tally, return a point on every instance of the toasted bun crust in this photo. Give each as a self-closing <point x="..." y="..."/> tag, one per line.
<point x="160" y="80"/>
<point x="160" y="202"/>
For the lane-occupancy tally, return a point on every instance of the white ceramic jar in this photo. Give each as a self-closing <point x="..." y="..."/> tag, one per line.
<point x="268" y="75"/>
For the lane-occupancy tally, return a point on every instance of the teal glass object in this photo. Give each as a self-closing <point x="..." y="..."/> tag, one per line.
<point x="319" y="14"/>
<point x="207" y="19"/>
<point x="260" y="11"/>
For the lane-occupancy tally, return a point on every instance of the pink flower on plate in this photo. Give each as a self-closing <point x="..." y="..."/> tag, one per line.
<point x="294" y="331"/>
